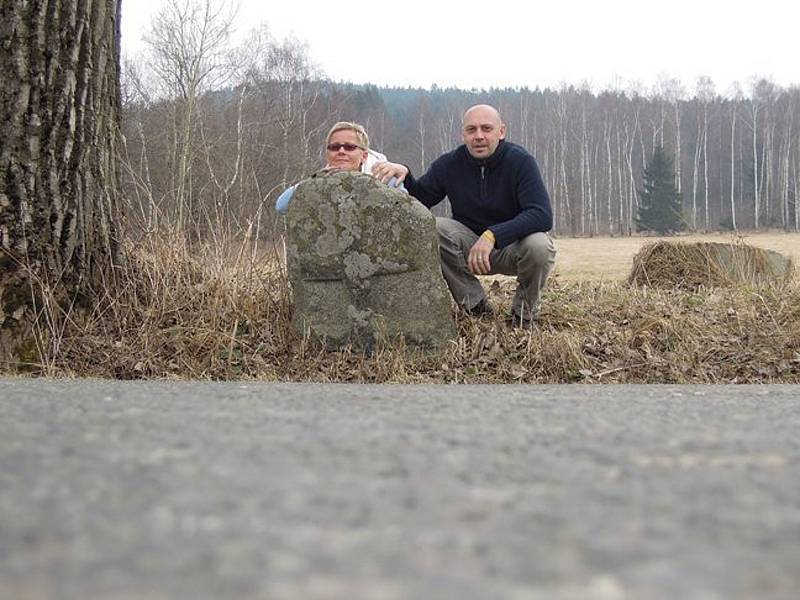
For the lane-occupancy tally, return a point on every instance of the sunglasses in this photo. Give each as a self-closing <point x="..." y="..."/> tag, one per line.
<point x="347" y="147"/>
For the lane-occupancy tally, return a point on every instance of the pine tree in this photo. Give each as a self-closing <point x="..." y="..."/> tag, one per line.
<point x="660" y="202"/>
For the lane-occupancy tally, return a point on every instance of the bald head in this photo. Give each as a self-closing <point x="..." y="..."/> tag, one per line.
<point x="487" y="109"/>
<point x="482" y="130"/>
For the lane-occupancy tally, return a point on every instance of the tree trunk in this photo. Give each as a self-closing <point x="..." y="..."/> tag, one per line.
<point x="733" y="165"/>
<point x="796" y="197"/>
<point x="756" y="205"/>
<point x="586" y="201"/>
<point x="768" y="172"/>
<point x="705" y="167"/>
<point x="609" y="177"/>
<point x="698" y="152"/>
<point x="678" y="152"/>
<point x="59" y="76"/>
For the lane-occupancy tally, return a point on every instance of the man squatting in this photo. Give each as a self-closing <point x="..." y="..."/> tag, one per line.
<point x="501" y="214"/>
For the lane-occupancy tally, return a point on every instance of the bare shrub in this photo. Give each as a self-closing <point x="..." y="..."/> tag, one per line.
<point x="178" y="311"/>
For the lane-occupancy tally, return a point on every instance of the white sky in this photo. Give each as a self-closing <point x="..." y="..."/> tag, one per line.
<point x="468" y="43"/>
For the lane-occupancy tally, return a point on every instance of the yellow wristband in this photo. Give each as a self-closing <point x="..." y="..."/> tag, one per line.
<point x="489" y="236"/>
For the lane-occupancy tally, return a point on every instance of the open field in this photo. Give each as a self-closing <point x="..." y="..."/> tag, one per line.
<point x="610" y="259"/>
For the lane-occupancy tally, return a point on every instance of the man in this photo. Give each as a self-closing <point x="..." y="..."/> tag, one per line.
<point x="501" y="214"/>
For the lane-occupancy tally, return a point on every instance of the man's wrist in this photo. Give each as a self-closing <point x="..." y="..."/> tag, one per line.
<point x="489" y="236"/>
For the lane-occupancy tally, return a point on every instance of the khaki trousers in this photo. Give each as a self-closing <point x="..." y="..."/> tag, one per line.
<point x="531" y="259"/>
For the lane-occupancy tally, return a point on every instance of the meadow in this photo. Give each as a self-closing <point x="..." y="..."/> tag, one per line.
<point x="610" y="259"/>
<point x="223" y="311"/>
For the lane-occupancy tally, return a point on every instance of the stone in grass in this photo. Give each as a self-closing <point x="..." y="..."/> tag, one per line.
<point x="363" y="263"/>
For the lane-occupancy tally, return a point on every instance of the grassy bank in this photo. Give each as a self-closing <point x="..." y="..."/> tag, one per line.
<point x="223" y="312"/>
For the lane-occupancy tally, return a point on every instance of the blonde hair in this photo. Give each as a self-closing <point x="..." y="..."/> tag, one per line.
<point x="359" y="130"/>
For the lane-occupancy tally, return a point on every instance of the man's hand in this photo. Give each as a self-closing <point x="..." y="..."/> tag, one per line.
<point x="478" y="260"/>
<point x="386" y="170"/>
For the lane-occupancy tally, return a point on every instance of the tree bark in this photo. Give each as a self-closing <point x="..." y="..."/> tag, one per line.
<point x="756" y="204"/>
<point x="705" y="167"/>
<point x="733" y="165"/>
<point x="59" y="204"/>
<point x="698" y="145"/>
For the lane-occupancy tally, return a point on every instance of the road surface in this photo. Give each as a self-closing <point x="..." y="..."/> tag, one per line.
<point x="125" y="490"/>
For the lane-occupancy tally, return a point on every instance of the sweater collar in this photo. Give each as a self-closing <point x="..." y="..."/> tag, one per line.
<point x="496" y="156"/>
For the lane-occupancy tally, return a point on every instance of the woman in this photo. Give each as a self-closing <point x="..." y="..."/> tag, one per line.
<point x="346" y="149"/>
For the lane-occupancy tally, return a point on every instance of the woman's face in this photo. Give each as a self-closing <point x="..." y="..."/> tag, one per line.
<point x="344" y="151"/>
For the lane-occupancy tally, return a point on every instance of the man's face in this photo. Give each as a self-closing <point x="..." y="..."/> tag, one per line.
<point x="482" y="132"/>
<point x="344" y="151"/>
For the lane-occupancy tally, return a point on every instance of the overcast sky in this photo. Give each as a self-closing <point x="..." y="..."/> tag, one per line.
<point x="487" y="43"/>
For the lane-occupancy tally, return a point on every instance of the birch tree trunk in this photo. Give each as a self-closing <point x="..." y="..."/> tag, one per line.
<point x="609" y="175"/>
<point x="705" y="166"/>
<point x="186" y="43"/>
<point x="622" y="223"/>
<point x="768" y="166"/>
<point x="524" y="106"/>
<point x="756" y="204"/>
<point x="784" y="182"/>
<point x="421" y="130"/>
<point x="59" y="76"/>
<point x="733" y="165"/>
<point x="796" y="196"/>
<point x="586" y="199"/>
<point x="563" y="185"/>
<point x="593" y="182"/>
<point x="785" y="162"/>
<point x="695" y="174"/>
<point x="678" y="150"/>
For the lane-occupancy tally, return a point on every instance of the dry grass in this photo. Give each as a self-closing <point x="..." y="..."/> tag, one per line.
<point x="610" y="259"/>
<point x="693" y="265"/>
<point x="223" y="313"/>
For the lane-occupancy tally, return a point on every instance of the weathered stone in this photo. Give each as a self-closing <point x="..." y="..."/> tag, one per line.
<point x="363" y="262"/>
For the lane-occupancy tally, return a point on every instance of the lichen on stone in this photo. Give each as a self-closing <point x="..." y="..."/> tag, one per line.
<point x="378" y="247"/>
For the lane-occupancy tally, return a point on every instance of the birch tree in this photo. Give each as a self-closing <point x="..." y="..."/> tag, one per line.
<point x="188" y="51"/>
<point x="704" y="95"/>
<point x="737" y="97"/>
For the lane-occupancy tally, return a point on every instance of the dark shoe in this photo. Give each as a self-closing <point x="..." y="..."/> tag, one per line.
<point x="518" y="322"/>
<point x="481" y="309"/>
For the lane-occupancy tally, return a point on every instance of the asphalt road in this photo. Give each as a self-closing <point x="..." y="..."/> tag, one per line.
<point x="121" y="490"/>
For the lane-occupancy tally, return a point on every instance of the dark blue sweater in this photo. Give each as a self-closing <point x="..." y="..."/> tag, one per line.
<point x="504" y="193"/>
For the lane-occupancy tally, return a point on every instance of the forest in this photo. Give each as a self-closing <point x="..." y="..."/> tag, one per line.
<point x="213" y="132"/>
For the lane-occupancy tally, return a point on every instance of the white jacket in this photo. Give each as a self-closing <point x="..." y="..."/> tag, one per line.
<point x="372" y="157"/>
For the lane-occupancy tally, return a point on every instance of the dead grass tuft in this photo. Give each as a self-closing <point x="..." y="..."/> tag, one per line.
<point x="198" y="311"/>
<point x="224" y="311"/>
<point x="690" y="266"/>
